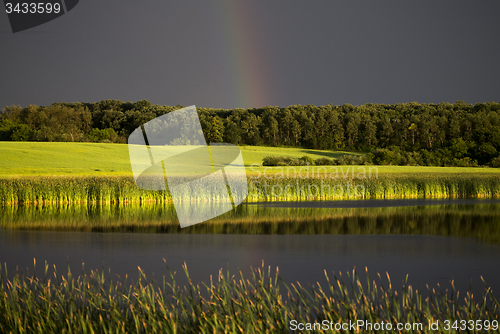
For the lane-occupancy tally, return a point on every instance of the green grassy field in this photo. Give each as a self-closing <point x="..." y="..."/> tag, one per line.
<point x="94" y="173"/>
<point x="30" y="158"/>
<point x="34" y="158"/>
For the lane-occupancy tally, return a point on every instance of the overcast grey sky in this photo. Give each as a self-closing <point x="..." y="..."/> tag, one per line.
<point x="252" y="53"/>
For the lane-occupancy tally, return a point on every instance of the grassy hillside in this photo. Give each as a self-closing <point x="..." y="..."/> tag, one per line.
<point x="34" y="158"/>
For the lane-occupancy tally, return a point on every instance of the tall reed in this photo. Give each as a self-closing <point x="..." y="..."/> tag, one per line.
<point x="76" y="189"/>
<point x="122" y="189"/>
<point x="388" y="186"/>
<point x="229" y="304"/>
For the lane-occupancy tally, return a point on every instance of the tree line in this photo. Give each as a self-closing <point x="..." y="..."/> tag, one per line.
<point x="456" y="134"/>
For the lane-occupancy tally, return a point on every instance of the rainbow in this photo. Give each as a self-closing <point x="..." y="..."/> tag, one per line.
<point x="244" y="53"/>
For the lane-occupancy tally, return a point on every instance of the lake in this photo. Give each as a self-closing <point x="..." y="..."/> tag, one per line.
<point x="433" y="241"/>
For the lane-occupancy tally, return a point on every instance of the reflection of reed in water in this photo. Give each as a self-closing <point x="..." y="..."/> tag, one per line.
<point x="479" y="221"/>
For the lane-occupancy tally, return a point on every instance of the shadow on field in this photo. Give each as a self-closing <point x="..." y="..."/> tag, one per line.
<point x="328" y="154"/>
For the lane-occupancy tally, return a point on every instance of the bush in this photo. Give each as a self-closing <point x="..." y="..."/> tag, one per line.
<point x="465" y="162"/>
<point x="272" y="161"/>
<point x="485" y="153"/>
<point x="384" y="156"/>
<point x="440" y="157"/>
<point x="279" y="161"/>
<point x="22" y="132"/>
<point x="325" y="162"/>
<point x="495" y="162"/>
<point x="411" y="159"/>
<point x="285" y="161"/>
<point x="10" y="130"/>
<point x="102" y="136"/>
<point x="307" y="160"/>
<point x="348" y="159"/>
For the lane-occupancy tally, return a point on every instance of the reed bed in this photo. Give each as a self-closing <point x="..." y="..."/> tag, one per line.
<point x="122" y="189"/>
<point x="75" y="189"/>
<point x="388" y="186"/>
<point x="262" y="303"/>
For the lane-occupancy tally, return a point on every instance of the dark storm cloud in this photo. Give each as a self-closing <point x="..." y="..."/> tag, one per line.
<point x="317" y="52"/>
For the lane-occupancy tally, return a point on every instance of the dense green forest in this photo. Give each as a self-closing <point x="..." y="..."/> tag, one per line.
<point x="445" y="134"/>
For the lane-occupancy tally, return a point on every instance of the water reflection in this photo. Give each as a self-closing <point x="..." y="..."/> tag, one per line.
<point x="375" y="203"/>
<point x="459" y="218"/>
<point x="427" y="260"/>
<point x="302" y="240"/>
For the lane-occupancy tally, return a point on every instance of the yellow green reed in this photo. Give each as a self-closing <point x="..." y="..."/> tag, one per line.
<point x="122" y="189"/>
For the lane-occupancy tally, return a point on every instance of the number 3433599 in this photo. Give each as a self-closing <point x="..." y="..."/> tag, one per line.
<point x="33" y="8"/>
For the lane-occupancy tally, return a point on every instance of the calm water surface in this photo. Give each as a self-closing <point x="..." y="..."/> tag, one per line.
<point x="426" y="259"/>
<point x="375" y="203"/>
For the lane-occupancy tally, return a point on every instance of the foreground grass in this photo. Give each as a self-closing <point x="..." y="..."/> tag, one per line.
<point x="261" y="304"/>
